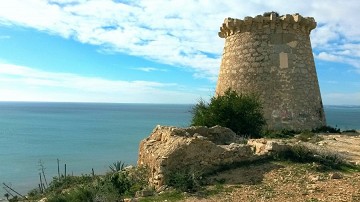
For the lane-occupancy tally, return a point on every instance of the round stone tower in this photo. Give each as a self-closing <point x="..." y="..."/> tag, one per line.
<point x="271" y="56"/>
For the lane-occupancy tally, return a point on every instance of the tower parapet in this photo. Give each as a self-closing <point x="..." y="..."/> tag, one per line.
<point x="268" y="24"/>
<point x="271" y="56"/>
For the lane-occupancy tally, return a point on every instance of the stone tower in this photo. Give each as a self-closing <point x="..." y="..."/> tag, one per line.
<point x="271" y="56"/>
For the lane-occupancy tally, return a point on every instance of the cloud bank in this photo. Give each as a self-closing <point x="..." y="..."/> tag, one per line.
<point x="181" y="33"/>
<point x="18" y="83"/>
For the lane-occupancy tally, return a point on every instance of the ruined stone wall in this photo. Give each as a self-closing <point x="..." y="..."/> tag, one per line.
<point x="272" y="57"/>
<point x="170" y="149"/>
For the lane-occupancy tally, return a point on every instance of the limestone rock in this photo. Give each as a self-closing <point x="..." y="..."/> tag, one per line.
<point x="336" y="176"/>
<point x="314" y="178"/>
<point x="144" y="193"/>
<point x="263" y="146"/>
<point x="131" y="200"/>
<point x="169" y="149"/>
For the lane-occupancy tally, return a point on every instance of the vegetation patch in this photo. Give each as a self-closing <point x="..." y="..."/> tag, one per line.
<point x="186" y="180"/>
<point x="326" y="129"/>
<point x="308" y="136"/>
<point x="325" y="159"/>
<point x="280" y="134"/>
<point x="239" y="112"/>
<point x="119" y="183"/>
<point x="174" y="195"/>
<point x="350" y="131"/>
<point x="267" y="14"/>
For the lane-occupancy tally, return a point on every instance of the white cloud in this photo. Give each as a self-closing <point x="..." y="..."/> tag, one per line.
<point x="340" y="56"/>
<point x="332" y="82"/>
<point x="180" y="33"/>
<point x="329" y="57"/>
<point x="150" y="69"/>
<point x="24" y="83"/>
<point x="324" y="34"/>
<point x="337" y="37"/>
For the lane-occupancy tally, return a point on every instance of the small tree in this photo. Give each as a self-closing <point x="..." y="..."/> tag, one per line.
<point x="7" y="195"/>
<point x="267" y="14"/>
<point x="241" y="113"/>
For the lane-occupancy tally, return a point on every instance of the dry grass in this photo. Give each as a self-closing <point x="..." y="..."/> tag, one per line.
<point x="281" y="181"/>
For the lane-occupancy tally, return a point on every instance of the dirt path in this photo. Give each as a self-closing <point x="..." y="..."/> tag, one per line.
<point x="346" y="144"/>
<point x="279" y="181"/>
<point x="296" y="182"/>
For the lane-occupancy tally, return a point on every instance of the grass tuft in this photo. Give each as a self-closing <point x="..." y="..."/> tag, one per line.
<point x="308" y="154"/>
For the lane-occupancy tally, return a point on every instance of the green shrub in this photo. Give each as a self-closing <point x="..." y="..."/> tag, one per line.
<point x="14" y="199"/>
<point x="76" y="195"/>
<point x="267" y="14"/>
<point x="128" y="182"/>
<point x="104" y="190"/>
<point x="109" y="187"/>
<point x="350" y="131"/>
<point x="57" y="185"/>
<point x="169" y="196"/>
<point x="184" y="180"/>
<point x="121" y="182"/>
<point x="304" y="154"/>
<point x="279" y="133"/>
<point x="326" y="129"/>
<point x="117" y="166"/>
<point x="308" y="136"/>
<point x="241" y="113"/>
<point x="139" y="179"/>
<point x="34" y="193"/>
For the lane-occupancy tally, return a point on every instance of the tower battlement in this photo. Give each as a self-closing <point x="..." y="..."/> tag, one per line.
<point x="271" y="23"/>
<point x="271" y="56"/>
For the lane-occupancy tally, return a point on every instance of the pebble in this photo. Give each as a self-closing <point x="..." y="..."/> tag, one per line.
<point x="314" y="178"/>
<point x="336" y="176"/>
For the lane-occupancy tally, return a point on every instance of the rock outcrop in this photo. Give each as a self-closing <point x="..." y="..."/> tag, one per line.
<point x="170" y="149"/>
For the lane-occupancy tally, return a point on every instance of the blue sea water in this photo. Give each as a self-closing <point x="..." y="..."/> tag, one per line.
<point x="343" y="117"/>
<point x="82" y="135"/>
<point x="91" y="135"/>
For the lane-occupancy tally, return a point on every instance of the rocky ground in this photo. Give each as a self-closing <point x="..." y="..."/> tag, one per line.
<point x="287" y="181"/>
<point x="347" y="144"/>
<point x="280" y="181"/>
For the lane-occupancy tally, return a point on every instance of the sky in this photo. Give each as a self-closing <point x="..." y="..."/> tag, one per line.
<point x="154" y="51"/>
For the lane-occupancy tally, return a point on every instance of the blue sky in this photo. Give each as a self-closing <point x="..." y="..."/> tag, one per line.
<point x="153" y="51"/>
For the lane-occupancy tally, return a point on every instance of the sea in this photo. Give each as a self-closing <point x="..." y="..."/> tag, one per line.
<point x="91" y="136"/>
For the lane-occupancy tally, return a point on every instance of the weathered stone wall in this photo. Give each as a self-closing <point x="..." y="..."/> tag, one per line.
<point x="272" y="57"/>
<point x="171" y="149"/>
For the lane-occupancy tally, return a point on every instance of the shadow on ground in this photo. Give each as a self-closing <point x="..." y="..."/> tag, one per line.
<point x="250" y="174"/>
